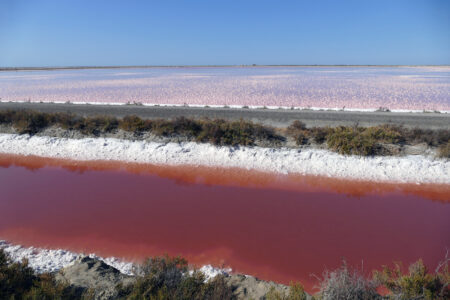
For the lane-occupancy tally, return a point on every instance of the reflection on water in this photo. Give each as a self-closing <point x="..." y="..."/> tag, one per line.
<point x="277" y="227"/>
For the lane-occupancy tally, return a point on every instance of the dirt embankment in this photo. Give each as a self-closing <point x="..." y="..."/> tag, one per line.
<point x="270" y="117"/>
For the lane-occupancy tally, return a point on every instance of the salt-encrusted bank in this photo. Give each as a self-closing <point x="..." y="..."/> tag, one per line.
<point x="51" y="260"/>
<point x="414" y="169"/>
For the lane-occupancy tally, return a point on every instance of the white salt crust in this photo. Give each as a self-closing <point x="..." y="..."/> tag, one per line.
<point x="51" y="260"/>
<point x="407" y="169"/>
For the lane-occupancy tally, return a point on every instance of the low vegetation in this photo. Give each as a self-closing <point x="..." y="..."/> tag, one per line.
<point x="170" y="278"/>
<point x="417" y="283"/>
<point x="218" y="132"/>
<point x="350" y="140"/>
<point x="367" y="141"/>
<point x="19" y="281"/>
<point x="344" y="283"/>
<point x="444" y="150"/>
<point x="296" y="292"/>
<point x="158" y="278"/>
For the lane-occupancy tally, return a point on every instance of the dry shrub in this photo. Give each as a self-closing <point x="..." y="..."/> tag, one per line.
<point x="343" y="283"/>
<point x="444" y="150"/>
<point x="296" y="292"/>
<point x="132" y="124"/>
<point x="428" y="136"/>
<point x="299" y="132"/>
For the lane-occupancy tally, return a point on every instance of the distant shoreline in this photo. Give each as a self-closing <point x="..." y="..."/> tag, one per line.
<point x="53" y="68"/>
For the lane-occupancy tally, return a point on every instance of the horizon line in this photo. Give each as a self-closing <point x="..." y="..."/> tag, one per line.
<point x="208" y="66"/>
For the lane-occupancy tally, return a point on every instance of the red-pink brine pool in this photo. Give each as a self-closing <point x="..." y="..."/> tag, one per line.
<point x="276" y="227"/>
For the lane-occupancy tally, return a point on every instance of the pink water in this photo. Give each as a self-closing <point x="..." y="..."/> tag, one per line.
<point x="276" y="227"/>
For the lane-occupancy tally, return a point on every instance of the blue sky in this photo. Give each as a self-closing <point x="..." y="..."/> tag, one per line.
<point x="232" y="32"/>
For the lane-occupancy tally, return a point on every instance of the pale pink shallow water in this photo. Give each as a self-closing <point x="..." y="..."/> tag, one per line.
<point x="397" y="88"/>
<point x="276" y="227"/>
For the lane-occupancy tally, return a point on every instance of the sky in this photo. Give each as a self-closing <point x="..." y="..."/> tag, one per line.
<point x="229" y="32"/>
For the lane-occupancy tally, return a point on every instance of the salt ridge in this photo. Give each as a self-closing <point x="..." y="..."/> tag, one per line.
<point x="407" y="169"/>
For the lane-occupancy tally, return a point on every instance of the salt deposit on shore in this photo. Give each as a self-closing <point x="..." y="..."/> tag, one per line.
<point x="408" y="169"/>
<point x="52" y="260"/>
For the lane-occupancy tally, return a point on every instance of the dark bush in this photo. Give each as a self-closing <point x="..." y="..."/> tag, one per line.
<point x="298" y="132"/>
<point x="297" y="125"/>
<point x="30" y="122"/>
<point x="179" y="126"/>
<point x="319" y="134"/>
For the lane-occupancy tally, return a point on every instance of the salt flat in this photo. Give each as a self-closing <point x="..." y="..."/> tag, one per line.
<point x="360" y="88"/>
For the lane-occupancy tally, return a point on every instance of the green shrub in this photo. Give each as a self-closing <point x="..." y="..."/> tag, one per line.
<point x="350" y="140"/>
<point x="362" y="141"/>
<point x="418" y="283"/>
<point x="384" y="133"/>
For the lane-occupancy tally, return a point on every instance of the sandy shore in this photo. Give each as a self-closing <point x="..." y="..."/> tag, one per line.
<point x="271" y="117"/>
